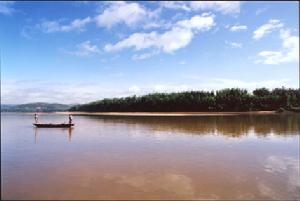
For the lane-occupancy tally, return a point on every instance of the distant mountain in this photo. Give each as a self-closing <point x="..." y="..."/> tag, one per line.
<point x="35" y="107"/>
<point x="7" y="106"/>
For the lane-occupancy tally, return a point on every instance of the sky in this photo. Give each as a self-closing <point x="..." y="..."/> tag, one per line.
<point x="77" y="52"/>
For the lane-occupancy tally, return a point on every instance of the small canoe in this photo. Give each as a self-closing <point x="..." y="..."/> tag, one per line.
<point x="53" y="125"/>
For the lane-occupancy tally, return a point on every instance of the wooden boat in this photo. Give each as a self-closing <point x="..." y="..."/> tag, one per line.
<point x="53" y="125"/>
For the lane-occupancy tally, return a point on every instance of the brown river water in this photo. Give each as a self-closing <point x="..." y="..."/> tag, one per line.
<point x="213" y="157"/>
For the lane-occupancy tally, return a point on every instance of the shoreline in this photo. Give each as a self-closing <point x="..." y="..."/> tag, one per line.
<point x="168" y="114"/>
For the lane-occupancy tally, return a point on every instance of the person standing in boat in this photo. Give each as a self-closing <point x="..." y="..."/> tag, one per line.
<point x="36" y="118"/>
<point x="70" y="119"/>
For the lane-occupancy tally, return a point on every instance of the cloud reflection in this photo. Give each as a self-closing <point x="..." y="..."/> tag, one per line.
<point x="171" y="184"/>
<point x="282" y="166"/>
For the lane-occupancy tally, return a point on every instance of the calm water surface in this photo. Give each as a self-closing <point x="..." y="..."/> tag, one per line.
<point x="229" y="157"/>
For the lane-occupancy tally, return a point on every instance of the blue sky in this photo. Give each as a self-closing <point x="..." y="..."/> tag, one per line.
<point x="76" y="52"/>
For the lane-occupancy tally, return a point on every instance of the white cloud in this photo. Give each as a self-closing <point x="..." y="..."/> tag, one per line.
<point x="134" y="89"/>
<point x="208" y="84"/>
<point x="234" y="44"/>
<point x="266" y="28"/>
<point x="204" y="83"/>
<point x="6" y="7"/>
<point x="178" y="37"/>
<point x="158" y="88"/>
<point x="150" y="24"/>
<point x="56" y="26"/>
<point x="18" y="91"/>
<point x="225" y="7"/>
<point x="27" y="31"/>
<point x="85" y="49"/>
<point x="175" y="39"/>
<point x="121" y="12"/>
<point x="238" y="27"/>
<point x="288" y="53"/>
<point x="77" y="24"/>
<point x="26" y="91"/>
<point x="137" y="40"/>
<point x="269" y="57"/>
<point x="260" y="10"/>
<point x="144" y="56"/>
<point x="291" y="45"/>
<point x="163" y="88"/>
<point x="220" y="83"/>
<point x="154" y="14"/>
<point x="117" y="74"/>
<point x="175" y="5"/>
<point x="200" y="23"/>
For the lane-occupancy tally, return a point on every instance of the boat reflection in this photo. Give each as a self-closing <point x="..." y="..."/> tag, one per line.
<point x="70" y="130"/>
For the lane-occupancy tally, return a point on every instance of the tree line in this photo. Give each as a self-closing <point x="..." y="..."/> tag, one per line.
<point x="233" y="99"/>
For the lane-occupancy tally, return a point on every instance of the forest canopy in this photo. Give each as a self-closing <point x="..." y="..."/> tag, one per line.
<point x="233" y="99"/>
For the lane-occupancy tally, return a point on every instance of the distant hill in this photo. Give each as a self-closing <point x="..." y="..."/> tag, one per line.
<point x="7" y="106"/>
<point x="35" y="107"/>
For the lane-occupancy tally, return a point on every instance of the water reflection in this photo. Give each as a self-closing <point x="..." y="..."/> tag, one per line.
<point x="36" y="131"/>
<point x="283" y="166"/>
<point x="177" y="185"/>
<point x="233" y="126"/>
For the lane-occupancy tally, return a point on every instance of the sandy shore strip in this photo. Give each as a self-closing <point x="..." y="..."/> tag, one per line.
<point x="167" y="114"/>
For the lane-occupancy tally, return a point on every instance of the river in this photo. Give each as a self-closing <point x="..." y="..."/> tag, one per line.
<point x="213" y="157"/>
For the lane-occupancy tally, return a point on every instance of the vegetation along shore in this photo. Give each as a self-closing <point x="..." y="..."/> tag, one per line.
<point x="225" y="100"/>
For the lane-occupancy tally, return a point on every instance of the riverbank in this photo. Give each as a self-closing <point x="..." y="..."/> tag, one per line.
<point x="162" y="114"/>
